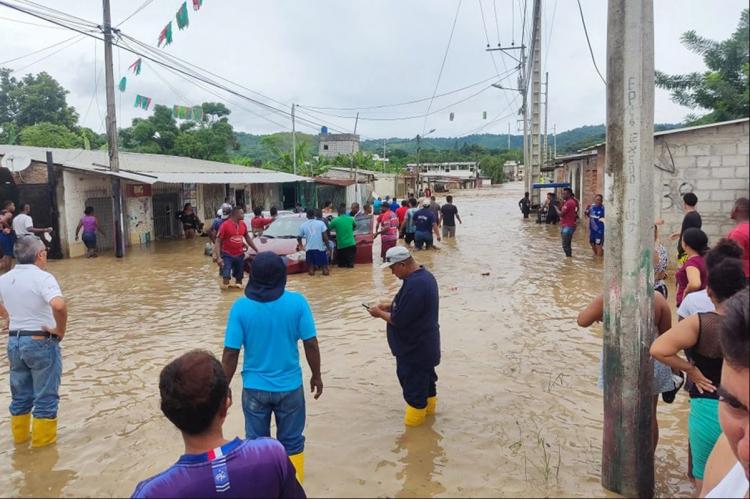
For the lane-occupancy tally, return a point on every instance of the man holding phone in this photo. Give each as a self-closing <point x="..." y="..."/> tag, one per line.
<point x="413" y="333"/>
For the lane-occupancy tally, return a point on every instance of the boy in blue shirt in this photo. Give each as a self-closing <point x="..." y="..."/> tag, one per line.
<point x="595" y="212"/>
<point x="268" y="323"/>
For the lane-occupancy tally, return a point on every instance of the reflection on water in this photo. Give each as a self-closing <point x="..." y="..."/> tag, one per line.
<point x="520" y="414"/>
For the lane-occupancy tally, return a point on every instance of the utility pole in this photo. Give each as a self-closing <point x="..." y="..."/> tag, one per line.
<point x="352" y="165"/>
<point x="384" y="155"/>
<point x="114" y="159"/>
<point x="509" y="136"/>
<point x="627" y="448"/>
<point x="554" y="142"/>
<point x="545" y="156"/>
<point x="419" y="148"/>
<point x="294" y="142"/>
<point x="536" y="92"/>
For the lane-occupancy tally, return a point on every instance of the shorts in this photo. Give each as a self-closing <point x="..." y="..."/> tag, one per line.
<point x="408" y="237"/>
<point x="89" y="239"/>
<point x="662" y="377"/>
<point x="596" y="237"/>
<point x="385" y="245"/>
<point x="449" y="231"/>
<point x="703" y="432"/>
<point x="316" y="258"/>
<point x="6" y="244"/>
<point x="423" y="238"/>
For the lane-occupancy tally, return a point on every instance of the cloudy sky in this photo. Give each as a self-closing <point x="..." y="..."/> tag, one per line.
<point x="357" y="54"/>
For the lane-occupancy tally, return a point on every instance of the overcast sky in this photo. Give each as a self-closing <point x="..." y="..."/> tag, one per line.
<point x="359" y="53"/>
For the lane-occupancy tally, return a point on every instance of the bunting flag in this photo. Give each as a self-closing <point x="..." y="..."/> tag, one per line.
<point x="180" y="112"/>
<point x="196" y="113"/>
<point x="123" y="84"/>
<point x="182" y="17"/>
<point x="484" y="115"/>
<point x="197" y="4"/>
<point x="165" y="36"/>
<point x="136" y="66"/>
<point x="451" y="117"/>
<point x="142" y="102"/>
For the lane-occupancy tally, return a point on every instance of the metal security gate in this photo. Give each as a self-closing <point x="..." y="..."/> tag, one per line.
<point x="166" y="208"/>
<point x="103" y="212"/>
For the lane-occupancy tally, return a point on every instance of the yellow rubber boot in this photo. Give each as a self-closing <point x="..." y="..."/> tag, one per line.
<point x="21" y="427"/>
<point x="414" y="416"/>
<point x="431" y="405"/>
<point x="298" y="460"/>
<point x="43" y="432"/>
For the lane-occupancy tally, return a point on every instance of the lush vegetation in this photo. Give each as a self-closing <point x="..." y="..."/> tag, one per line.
<point x="723" y="89"/>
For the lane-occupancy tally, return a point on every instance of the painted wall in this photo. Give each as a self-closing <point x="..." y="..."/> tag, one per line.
<point x="139" y="220"/>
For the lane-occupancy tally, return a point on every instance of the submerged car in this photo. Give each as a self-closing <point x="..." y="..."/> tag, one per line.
<point x="281" y="238"/>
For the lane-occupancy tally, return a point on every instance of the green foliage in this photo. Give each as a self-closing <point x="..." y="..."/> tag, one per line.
<point x="50" y="135"/>
<point x="723" y="89"/>
<point x="34" y="99"/>
<point x="254" y="146"/>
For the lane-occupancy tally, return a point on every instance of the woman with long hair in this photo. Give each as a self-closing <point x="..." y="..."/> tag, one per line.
<point x="692" y="275"/>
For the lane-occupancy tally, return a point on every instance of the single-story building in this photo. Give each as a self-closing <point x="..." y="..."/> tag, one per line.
<point x="154" y="190"/>
<point x="713" y="161"/>
<point x="381" y="183"/>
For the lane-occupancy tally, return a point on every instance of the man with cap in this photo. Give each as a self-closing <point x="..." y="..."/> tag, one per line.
<point x="221" y="215"/>
<point x="268" y="322"/>
<point x="413" y="333"/>
<point x="425" y="223"/>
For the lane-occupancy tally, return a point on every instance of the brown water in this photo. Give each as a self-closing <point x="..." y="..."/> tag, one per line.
<point x="519" y="412"/>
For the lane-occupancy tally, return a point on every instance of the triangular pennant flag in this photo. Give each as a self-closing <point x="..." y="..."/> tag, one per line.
<point x="123" y="84"/>
<point x="137" y="101"/>
<point x="484" y="115"/>
<point x="451" y="117"/>
<point x="197" y="4"/>
<point x="145" y="103"/>
<point x="136" y="66"/>
<point x="182" y="17"/>
<point x="196" y="113"/>
<point x="165" y="36"/>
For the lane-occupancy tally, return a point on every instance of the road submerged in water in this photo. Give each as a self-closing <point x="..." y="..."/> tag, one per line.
<point x="519" y="413"/>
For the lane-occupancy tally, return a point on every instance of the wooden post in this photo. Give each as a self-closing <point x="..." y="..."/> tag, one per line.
<point x="627" y="450"/>
<point x="55" y="248"/>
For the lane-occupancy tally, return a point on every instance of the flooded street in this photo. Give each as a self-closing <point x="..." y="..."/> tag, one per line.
<point x="519" y="413"/>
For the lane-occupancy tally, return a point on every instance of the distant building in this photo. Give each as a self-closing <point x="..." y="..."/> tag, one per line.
<point x="510" y="169"/>
<point x="450" y="175"/>
<point x="332" y="145"/>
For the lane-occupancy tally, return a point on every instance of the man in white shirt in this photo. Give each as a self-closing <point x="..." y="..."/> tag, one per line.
<point x="35" y="316"/>
<point x="23" y="225"/>
<point x="697" y="302"/>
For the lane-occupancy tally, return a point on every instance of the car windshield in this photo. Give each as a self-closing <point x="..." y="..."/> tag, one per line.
<point x="364" y="225"/>
<point x="284" y="227"/>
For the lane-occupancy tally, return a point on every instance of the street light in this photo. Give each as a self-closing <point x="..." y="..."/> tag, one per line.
<point x="419" y="149"/>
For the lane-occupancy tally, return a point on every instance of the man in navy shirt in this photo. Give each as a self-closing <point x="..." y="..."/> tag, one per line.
<point x="413" y="333"/>
<point x="426" y="223"/>
<point x="195" y="397"/>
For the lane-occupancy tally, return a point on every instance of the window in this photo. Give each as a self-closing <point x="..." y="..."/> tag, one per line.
<point x="325" y="147"/>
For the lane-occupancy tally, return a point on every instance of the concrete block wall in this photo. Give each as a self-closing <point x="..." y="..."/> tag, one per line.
<point x="713" y="163"/>
<point x="76" y="189"/>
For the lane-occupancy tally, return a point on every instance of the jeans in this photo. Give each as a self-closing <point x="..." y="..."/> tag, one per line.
<point x="567" y="237"/>
<point x="234" y="266"/>
<point x="35" y="370"/>
<point x="417" y="382"/>
<point x="423" y="238"/>
<point x="287" y="407"/>
<point x="89" y="239"/>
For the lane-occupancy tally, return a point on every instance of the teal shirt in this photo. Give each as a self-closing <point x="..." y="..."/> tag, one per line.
<point x="344" y="226"/>
<point x="269" y="333"/>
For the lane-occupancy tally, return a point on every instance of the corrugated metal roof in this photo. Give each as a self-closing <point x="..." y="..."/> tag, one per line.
<point x="160" y="168"/>
<point x="339" y="182"/>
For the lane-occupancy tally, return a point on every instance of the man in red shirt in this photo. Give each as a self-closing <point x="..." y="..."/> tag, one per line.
<point x="229" y="250"/>
<point x="568" y="215"/>
<point x="401" y="214"/>
<point x="259" y="222"/>
<point x="741" y="232"/>
<point x="389" y="233"/>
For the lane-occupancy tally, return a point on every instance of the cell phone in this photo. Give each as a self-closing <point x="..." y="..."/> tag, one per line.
<point x="366" y="306"/>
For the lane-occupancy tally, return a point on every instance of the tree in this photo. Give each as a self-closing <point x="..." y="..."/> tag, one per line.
<point x="50" y="135"/>
<point x="723" y="89"/>
<point x="215" y="110"/>
<point x="36" y="99"/>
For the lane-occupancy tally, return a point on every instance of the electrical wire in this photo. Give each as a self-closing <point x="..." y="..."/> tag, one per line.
<point x="588" y="41"/>
<point x="74" y="41"/>
<point x="549" y="34"/>
<point x="442" y="65"/>
<point x="484" y="24"/>
<point x="39" y="50"/>
<point x="136" y="11"/>
<point x="30" y="24"/>
<point x="59" y="15"/>
<point x="497" y="23"/>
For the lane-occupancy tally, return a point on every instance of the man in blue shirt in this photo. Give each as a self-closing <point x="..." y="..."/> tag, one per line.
<point x="315" y="234"/>
<point x="413" y="333"/>
<point x="195" y="397"/>
<point x="425" y="223"/>
<point x="376" y="206"/>
<point x="595" y="212"/>
<point x="268" y="323"/>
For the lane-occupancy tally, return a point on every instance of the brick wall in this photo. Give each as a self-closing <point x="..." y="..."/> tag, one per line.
<point x="36" y="173"/>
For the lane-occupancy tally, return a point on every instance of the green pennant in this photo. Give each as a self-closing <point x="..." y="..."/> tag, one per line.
<point x="165" y="36"/>
<point x="196" y="113"/>
<point x="182" y="17"/>
<point x="484" y="115"/>
<point x="197" y="4"/>
<point x="123" y="84"/>
<point x="137" y="101"/>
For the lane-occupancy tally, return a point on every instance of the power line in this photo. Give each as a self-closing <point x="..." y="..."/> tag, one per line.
<point x="136" y="11"/>
<point x="588" y="41"/>
<point x="39" y="50"/>
<point x="549" y="34"/>
<point x="74" y="41"/>
<point x="29" y="24"/>
<point x="442" y="65"/>
<point x="497" y="23"/>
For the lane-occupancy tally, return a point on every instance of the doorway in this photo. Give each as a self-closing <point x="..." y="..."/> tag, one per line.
<point x="103" y="212"/>
<point x="166" y="208"/>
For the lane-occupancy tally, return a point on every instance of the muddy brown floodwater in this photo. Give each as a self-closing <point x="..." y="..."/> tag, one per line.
<point x="519" y="413"/>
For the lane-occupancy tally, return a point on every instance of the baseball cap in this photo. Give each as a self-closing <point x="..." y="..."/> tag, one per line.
<point x="395" y="255"/>
<point x="426" y="203"/>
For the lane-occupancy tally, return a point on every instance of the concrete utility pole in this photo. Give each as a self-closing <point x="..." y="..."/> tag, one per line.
<point x="114" y="159"/>
<point x="509" y="136"/>
<point x="536" y="94"/>
<point x="356" y="167"/>
<point x="627" y="449"/>
<point x="545" y="154"/>
<point x="554" y="142"/>
<point x="294" y="142"/>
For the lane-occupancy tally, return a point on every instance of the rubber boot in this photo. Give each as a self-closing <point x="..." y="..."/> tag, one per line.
<point x="431" y="404"/>
<point x="21" y="427"/>
<point x="298" y="460"/>
<point x="43" y="432"/>
<point x="414" y="416"/>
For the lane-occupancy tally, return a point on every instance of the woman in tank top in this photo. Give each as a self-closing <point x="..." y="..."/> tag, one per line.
<point x="699" y="337"/>
<point x="90" y="226"/>
<point x="728" y="467"/>
<point x="692" y="274"/>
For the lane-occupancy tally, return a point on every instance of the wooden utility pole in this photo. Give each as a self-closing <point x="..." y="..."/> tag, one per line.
<point x="627" y="449"/>
<point x="294" y="143"/>
<point x="114" y="159"/>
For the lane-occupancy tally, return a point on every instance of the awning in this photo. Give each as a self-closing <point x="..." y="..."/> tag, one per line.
<point x="551" y="185"/>
<point x="229" y="178"/>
